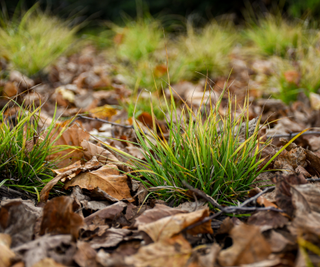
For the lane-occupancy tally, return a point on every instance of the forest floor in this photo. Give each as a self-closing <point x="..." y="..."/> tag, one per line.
<point x="98" y="209"/>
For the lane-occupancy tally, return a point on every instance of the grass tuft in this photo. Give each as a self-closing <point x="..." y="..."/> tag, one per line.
<point x="33" y="40"/>
<point x="205" y="51"/>
<point x="216" y="153"/>
<point x="24" y="149"/>
<point x="273" y="35"/>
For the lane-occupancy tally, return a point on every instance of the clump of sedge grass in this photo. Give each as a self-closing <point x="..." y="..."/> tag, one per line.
<point x="24" y="149"/>
<point x="205" y="51"/>
<point x="135" y="46"/>
<point x="309" y="65"/>
<point x="218" y="154"/>
<point x="32" y="40"/>
<point x="207" y="151"/>
<point x="273" y="35"/>
<point x="138" y="39"/>
<point x="302" y="76"/>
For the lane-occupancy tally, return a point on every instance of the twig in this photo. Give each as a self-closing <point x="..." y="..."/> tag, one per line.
<point x="203" y="195"/>
<point x="313" y="179"/>
<point x="268" y="189"/>
<point x="105" y="121"/>
<point x="290" y="135"/>
<point x="230" y="209"/>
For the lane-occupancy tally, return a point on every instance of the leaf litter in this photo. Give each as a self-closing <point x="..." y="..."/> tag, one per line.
<point x="105" y="218"/>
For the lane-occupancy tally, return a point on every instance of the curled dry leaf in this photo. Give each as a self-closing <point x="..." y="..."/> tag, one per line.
<point x="158" y="212"/>
<point x="110" y="238"/>
<point x="107" y="178"/>
<point x="314" y="160"/>
<point x="71" y="171"/>
<point x="103" y="112"/>
<point x="172" y="252"/>
<point x="103" y="155"/>
<point x="85" y="255"/>
<point x="18" y="221"/>
<point x="60" y="248"/>
<point x="279" y="242"/>
<point x="10" y="89"/>
<point x="72" y="136"/>
<point x="283" y="190"/>
<point x="249" y="246"/>
<point x="171" y="225"/>
<point x="111" y="212"/>
<point x="59" y="217"/>
<point x="268" y="220"/>
<point x="6" y="254"/>
<point x="305" y="199"/>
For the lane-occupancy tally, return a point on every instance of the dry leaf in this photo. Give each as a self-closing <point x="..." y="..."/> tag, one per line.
<point x="103" y="112"/>
<point x="158" y="212"/>
<point x="85" y="255"/>
<point x="171" y="225"/>
<point x="111" y="212"/>
<point x="60" y="248"/>
<point x="292" y="76"/>
<point x="72" y="136"/>
<point x="6" y="254"/>
<point x="173" y="252"/>
<point x="102" y="154"/>
<point x="283" y="193"/>
<point x="90" y="165"/>
<point x="110" y="238"/>
<point x="59" y="217"/>
<point x="18" y="221"/>
<point x="47" y="262"/>
<point x="315" y="101"/>
<point x="10" y="89"/>
<point x="305" y="199"/>
<point x="107" y="178"/>
<point x="249" y="246"/>
<point x="268" y="220"/>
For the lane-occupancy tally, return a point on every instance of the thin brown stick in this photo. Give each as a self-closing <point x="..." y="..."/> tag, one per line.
<point x="105" y="121"/>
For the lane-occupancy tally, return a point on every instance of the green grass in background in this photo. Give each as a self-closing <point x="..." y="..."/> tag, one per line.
<point x="32" y="40"/>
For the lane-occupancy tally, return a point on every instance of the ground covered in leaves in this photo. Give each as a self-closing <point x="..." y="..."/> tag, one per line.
<point x="99" y="216"/>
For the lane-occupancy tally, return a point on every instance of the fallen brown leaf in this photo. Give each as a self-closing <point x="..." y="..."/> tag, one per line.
<point x="60" y="248"/>
<point x="103" y="155"/>
<point x="283" y="190"/>
<point x="10" y="89"/>
<point x="110" y="238"/>
<point x="90" y="165"/>
<point x="107" y="178"/>
<point x="47" y="262"/>
<point x="6" y="254"/>
<point x="18" y="221"/>
<point x="111" y="212"/>
<point x="173" y="252"/>
<point x="268" y="220"/>
<point x="158" y="212"/>
<point x="171" y="225"/>
<point x="72" y="136"/>
<point x="85" y="255"/>
<point x="59" y="217"/>
<point x="249" y="246"/>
